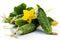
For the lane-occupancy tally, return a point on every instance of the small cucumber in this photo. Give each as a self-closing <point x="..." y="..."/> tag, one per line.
<point x="20" y="22"/>
<point x="27" y="28"/>
<point x="43" y="20"/>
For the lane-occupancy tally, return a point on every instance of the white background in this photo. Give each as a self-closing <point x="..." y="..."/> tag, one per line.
<point x="6" y="6"/>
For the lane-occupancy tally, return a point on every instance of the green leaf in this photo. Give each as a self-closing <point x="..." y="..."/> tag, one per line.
<point x="19" y="9"/>
<point x="12" y="14"/>
<point x="29" y="8"/>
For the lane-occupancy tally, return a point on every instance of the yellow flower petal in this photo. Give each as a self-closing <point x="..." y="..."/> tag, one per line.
<point x="32" y="11"/>
<point x="26" y="12"/>
<point x="24" y="18"/>
<point x="29" y="15"/>
<point x="54" y="23"/>
<point x="32" y="14"/>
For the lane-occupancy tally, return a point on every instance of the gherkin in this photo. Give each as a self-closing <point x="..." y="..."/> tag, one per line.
<point x="20" y="22"/>
<point x="27" y="28"/>
<point x="43" y="21"/>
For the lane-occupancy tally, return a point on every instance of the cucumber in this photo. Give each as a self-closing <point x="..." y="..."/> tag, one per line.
<point x="20" y="22"/>
<point x="43" y="20"/>
<point x="27" y="28"/>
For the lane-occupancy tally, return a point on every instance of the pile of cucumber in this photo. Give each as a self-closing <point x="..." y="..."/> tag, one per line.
<point x="23" y="26"/>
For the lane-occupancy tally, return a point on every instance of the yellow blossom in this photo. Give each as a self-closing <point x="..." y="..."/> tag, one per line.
<point x="29" y="15"/>
<point x="54" y="23"/>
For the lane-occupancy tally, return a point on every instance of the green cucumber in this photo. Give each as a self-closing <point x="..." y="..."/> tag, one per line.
<point x="27" y="28"/>
<point x="43" y="21"/>
<point x="20" y="22"/>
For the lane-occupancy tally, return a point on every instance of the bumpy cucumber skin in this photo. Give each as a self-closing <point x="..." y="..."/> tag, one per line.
<point x="43" y="21"/>
<point x="27" y="28"/>
<point x="20" y="22"/>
